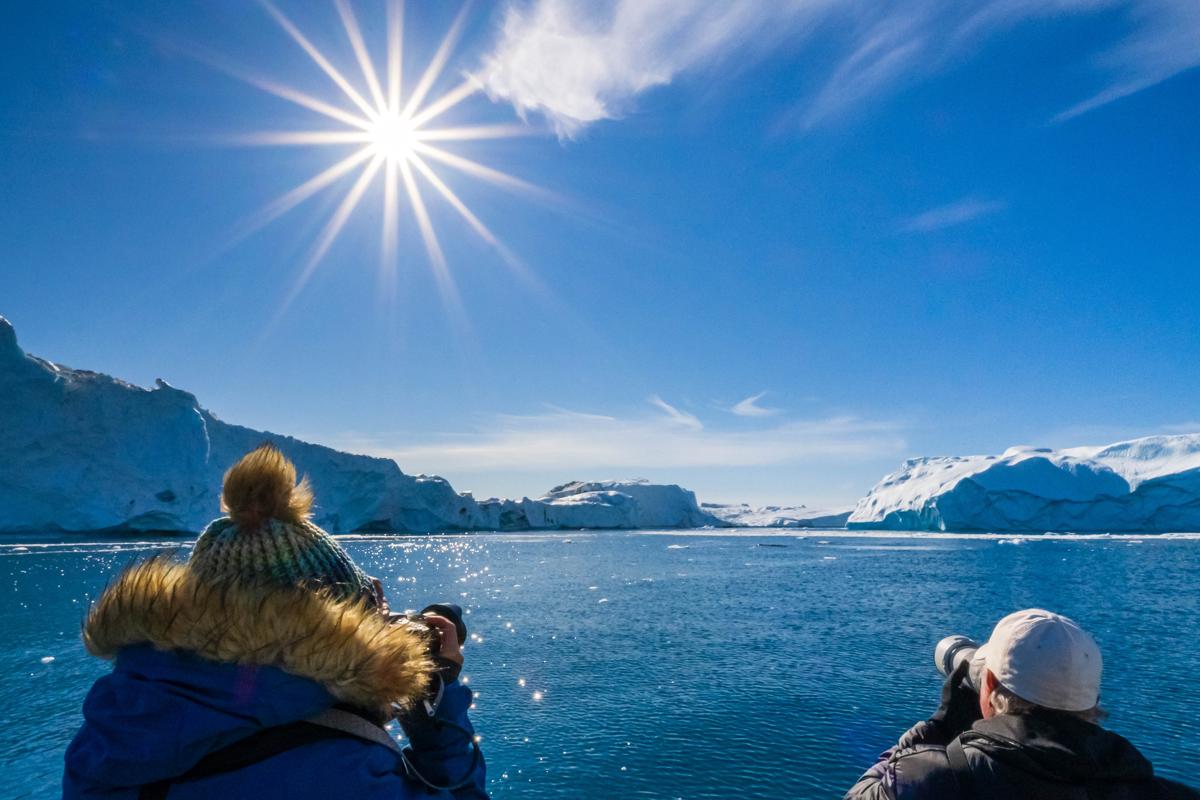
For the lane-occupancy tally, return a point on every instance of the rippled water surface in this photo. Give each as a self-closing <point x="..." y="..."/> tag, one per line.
<point x="695" y="665"/>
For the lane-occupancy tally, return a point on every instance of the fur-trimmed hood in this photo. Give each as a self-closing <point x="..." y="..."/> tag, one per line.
<point x="347" y="647"/>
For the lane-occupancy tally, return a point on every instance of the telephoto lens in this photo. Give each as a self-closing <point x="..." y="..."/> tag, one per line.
<point x="953" y="651"/>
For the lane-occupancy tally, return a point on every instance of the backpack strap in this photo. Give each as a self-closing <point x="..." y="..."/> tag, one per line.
<point x="259" y="746"/>
<point x="961" y="768"/>
<point x="350" y="723"/>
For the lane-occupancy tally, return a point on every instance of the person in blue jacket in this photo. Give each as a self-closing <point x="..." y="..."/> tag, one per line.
<point x="266" y="666"/>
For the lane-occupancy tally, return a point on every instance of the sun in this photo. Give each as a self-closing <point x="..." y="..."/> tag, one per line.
<point x="393" y="137"/>
<point x="385" y="127"/>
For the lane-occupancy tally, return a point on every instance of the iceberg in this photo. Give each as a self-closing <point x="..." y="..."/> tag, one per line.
<point x="802" y="516"/>
<point x="601" y="504"/>
<point x="82" y="451"/>
<point x="653" y="505"/>
<point x="1148" y="485"/>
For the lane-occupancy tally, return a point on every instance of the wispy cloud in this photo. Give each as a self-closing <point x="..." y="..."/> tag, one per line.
<point x="572" y="442"/>
<point x="956" y="213"/>
<point x="675" y="415"/>
<point x="881" y="51"/>
<point x="749" y="407"/>
<point x="580" y="61"/>
<point x="1165" y="42"/>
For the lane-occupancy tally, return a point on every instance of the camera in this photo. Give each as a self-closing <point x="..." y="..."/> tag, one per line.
<point x="952" y="652"/>
<point x="428" y="633"/>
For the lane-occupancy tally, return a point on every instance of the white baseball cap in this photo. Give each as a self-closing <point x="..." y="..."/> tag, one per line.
<point x="1045" y="658"/>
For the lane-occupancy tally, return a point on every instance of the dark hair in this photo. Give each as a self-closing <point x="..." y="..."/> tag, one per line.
<point x="1005" y="701"/>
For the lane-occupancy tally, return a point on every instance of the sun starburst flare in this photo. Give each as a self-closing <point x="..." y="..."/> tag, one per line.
<point x="394" y="139"/>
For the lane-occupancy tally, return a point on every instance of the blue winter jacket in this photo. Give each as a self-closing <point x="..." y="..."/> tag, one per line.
<point x="164" y="707"/>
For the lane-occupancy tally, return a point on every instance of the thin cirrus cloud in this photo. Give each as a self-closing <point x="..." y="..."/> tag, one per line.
<point x="957" y="213"/>
<point x="567" y="441"/>
<point x="749" y="407"/>
<point x="674" y="415"/>
<point x="577" y="62"/>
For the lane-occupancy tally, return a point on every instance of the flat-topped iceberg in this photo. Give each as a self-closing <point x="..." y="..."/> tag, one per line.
<point x="601" y="504"/>
<point x="654" y="505"/>
<point x="82" y="451"/>
<point x="746" y="516"/>
<point x="1149" y="485"/>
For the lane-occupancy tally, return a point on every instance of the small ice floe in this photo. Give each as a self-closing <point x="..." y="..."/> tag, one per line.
<point x="47" y="659"/>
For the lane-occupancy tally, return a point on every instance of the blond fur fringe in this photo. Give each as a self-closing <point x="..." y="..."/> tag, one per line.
<point x="347" y="646"/>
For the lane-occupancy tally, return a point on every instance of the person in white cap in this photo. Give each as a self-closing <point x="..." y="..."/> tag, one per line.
<point x="1021" y="719"/>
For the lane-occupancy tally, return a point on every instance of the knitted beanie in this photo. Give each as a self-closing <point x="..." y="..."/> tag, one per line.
<point x="267" y="537"/>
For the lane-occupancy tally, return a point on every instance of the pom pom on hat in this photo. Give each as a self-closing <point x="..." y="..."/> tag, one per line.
<point x="262" y="486"/>
<point x="268" y="538"/>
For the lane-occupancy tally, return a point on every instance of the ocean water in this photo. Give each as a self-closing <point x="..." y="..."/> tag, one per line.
<point x="683" y="665"/>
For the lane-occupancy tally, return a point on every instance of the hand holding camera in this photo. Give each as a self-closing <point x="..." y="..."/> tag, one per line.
<point x="440" y="626"/>
<point x="445" y="632"/>
<point x="959" y="709"/>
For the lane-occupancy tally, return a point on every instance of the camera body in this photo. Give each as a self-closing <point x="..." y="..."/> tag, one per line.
<point x="952" y="651"/>
<point x="431" y="636"/>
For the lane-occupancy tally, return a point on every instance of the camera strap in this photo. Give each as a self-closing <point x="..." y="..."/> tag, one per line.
<point x="961" y="768"/>
<point x="430" y="706"/>
<point x="410" y="769"/>
<point x="347" y="722"/>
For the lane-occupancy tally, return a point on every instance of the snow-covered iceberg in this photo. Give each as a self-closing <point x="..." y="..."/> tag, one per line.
<point x="639" y="503"/>
<point x="746" y="516"/>
<point x="599" y="504"/>
<point x="82" y="451"/>
<point x="1149" y="485"/>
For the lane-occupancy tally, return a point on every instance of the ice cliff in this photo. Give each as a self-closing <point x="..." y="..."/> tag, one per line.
<point x="1149" y="485"/>
<point x="82" y="451"/>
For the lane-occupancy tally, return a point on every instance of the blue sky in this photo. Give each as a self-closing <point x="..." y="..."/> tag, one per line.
<point x="780" y="246"/>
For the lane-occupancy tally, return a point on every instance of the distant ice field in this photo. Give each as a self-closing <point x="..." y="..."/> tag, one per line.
<point x="681" y="664"/>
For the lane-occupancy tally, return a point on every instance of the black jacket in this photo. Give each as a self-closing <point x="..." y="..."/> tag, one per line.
<point x="1038" y="756"/>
